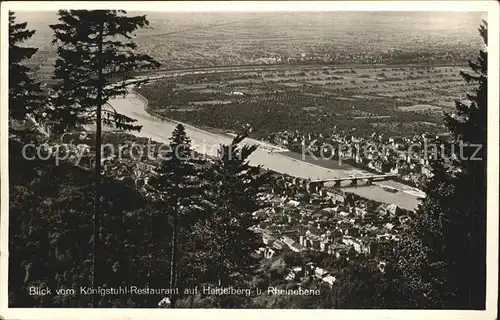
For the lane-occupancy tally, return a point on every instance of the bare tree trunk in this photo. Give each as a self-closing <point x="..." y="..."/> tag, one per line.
<point x="173" y="260"/>
<point x="97" y="199"/>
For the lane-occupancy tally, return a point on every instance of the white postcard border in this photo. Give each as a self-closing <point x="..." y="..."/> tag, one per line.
<point x="491" y="7"/>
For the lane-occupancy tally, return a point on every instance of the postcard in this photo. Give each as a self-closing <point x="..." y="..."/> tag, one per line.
<point x="249" y="159"/>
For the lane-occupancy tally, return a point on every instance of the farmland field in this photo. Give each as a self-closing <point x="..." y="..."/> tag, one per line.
<point x="391" y="100"/>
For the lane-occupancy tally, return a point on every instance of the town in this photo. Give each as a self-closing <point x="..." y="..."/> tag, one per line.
<point x="327" y="220"/>
<point x="407" y="157"/>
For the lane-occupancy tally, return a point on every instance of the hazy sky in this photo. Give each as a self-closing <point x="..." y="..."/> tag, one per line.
<point x="460" y="25"/>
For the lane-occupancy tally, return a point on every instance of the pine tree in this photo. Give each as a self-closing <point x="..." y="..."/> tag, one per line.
<point x="96" y="55"/>
<point x="178" y="182"/>
<point x="420" y="255"/>
<point x="469" y="128"/>
<point x="25" y="95"/>
<point x="95" y="50"/>
<point x="50" y="228"/>
<point x="443" y="256"/>
<point x="226" y="245"/>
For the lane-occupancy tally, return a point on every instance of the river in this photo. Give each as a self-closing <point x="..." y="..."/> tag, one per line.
<point x="267" y="155"/>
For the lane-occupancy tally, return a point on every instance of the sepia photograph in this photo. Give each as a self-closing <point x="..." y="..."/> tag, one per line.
<point x="245" y="155"/>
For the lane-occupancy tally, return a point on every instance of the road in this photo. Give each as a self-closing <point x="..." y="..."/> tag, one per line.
<point x="165" y="73"/>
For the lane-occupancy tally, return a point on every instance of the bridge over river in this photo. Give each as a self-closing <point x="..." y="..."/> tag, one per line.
<point x="354" y="179"/>
<point x="315" y="185"/>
